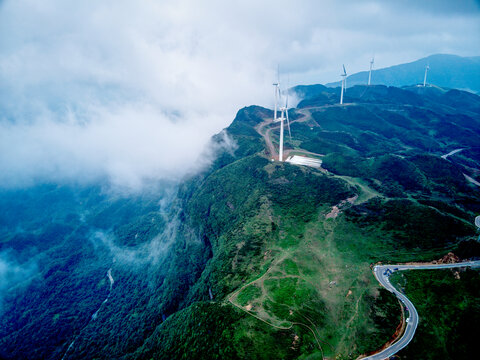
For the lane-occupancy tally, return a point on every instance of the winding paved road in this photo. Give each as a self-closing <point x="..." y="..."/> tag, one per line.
<point x="382" y="273"/>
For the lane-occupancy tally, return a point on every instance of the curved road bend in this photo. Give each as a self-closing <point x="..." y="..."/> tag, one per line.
<point x="382" y="273"/>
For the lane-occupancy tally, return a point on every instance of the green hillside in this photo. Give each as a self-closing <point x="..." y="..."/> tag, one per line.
<point x="252" y="258"/>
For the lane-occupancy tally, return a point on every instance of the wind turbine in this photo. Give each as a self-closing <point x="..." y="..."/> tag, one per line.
<point x="278" y="96"/>
<point x="425" y="77"/>
<point x="370" y="73"/>
<point x="283" y="116"/>
<point x="344" y="84"/>
<point x="281" y="119"/>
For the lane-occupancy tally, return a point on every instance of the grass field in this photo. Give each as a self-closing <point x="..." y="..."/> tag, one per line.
<point x="365" y="192"/>
<point x="313" y="283"/>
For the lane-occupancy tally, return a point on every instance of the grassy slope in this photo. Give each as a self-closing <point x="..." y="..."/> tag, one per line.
<point x="278" y="271"/>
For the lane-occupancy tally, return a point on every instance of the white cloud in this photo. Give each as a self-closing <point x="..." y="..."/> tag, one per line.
<point x="130" y="91"/>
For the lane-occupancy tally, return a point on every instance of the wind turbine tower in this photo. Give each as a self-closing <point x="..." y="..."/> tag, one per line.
<point x="280" y="149"/>
<point x="278" y="96"/>
<point x="344" y="84"/>
<point x="425" y="77"/>
<point x="370" y="73"/>
<point x="283" y="116"/>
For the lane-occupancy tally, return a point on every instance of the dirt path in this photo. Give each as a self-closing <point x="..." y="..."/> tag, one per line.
<point x="307" y="115"/>
<point x="260" y="128"/>
<point x="270" y="146"/>
<point x="246" y="309"/>
<point x="234" y="296"/>
<point x="267" y="134"/>
<point x="95" y="314"/>
<point x="353" y="316"/>
<point x="472" y="180"/>
<point x="453" y="152"/>
<point x="342" y="205"/>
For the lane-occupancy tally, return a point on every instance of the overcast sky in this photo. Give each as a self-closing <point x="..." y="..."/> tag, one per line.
<point x="133" y="90"/>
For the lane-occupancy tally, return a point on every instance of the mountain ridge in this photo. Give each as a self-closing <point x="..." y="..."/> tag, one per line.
<point x="446" y="70"/>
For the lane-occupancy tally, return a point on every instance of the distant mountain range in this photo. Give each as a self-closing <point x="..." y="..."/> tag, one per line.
<point x="447" y="71"/>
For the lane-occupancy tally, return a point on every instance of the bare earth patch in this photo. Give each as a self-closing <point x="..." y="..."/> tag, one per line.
<point x="334" y="213"/>
<point x="337" y="209"/>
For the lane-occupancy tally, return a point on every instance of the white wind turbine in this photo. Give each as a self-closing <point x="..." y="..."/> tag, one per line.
<point x="344" y="84"/>
<point x="283" y="116"/>
<point x="425" y="77"/>
<point x="278" y="96"/>
<point x="280" y="149"/>
<point x="371" y="67"/>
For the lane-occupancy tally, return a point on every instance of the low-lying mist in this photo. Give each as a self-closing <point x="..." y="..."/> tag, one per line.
<point x="129" y="94"/>
<point x="128" y="146"/>
<point x="13" y="274"/>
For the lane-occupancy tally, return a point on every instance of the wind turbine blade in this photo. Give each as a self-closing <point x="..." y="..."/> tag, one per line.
<point x="344" y="71"/>
<point x="288" y="124"/>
